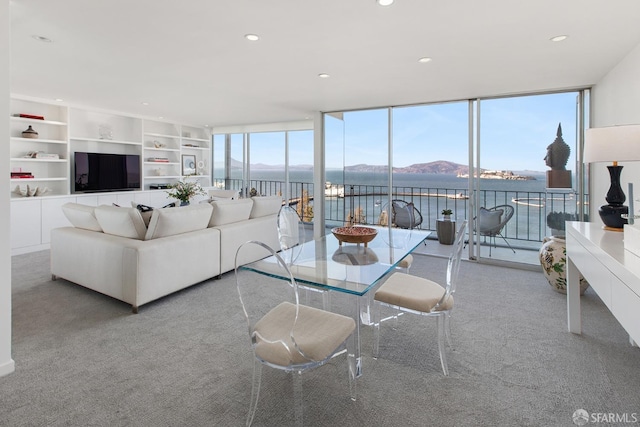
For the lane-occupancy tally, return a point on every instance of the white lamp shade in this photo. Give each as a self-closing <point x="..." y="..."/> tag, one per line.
<point x="612" y="144"/>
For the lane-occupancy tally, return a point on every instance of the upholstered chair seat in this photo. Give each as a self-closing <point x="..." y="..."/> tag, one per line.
<point x="413" y="292"/>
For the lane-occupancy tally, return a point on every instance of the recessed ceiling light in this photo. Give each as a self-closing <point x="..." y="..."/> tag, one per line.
<point x="145" y="103"/>
<point x="252" y="37"/>
<point x="385" y="2"/>
<point x="160" y="117"/>
<point x="59" y="99"/>
<point x="42" y="39"/>
<point x="558" y="38"/>
<point x="323" y="75"/>
<point x="424" y="59"/>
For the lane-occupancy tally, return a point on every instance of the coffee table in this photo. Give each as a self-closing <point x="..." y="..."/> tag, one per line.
<point x="350" y="270"/>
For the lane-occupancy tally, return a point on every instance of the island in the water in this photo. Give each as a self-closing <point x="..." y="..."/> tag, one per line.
<point x="486" y="174"/>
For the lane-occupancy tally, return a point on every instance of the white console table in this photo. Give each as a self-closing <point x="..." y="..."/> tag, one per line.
<point x="612" y="272"/>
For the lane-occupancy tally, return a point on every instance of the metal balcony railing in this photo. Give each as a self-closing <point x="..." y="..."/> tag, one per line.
<point x="366" y="202"/>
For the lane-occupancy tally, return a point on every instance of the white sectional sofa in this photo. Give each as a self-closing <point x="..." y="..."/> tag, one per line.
<point x="139" y="257"/>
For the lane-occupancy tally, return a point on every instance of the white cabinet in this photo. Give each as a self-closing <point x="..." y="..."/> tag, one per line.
<point x="46" y="157"/>
<point x="26" y="228"/>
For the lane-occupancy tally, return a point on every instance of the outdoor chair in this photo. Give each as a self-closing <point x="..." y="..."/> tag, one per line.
<point x="416" y="295"/>
<point x="490" y="223"/>
<point x="283" y="333"/>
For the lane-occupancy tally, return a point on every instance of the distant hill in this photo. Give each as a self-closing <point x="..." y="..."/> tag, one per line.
<point x="437" y="167"/>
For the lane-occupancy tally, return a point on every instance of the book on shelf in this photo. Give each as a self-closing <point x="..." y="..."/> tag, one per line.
<point x="21" y="175"/>
<point x="30" y="116"/>
<point x="158" y="159"/>
<point x="49" y="156"/>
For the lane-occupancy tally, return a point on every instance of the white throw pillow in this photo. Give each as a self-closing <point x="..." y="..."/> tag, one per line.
<point x="119" y="221"/>
<point x="145" y="211"/>
<point x="81" y="216"/>
<point x="488" y="220"/>
<point x="223" y="194"/>
<point x="263" y="206"/>
<point x="169" y="222"/>
<point x="228" y="211"/>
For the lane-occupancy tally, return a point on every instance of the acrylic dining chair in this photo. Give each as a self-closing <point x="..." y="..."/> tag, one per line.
<point x="285" y="334"/>
<point x="417" y="295"/>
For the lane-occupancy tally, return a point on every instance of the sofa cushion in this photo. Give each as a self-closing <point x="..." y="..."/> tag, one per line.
<point x="263" y="206"/>
<point x="119" y="221"/>
<point x="169" y="222"/>
<point x="229" y="211"/>
<point x="223" y="194"/>
<point x="81" y="216"/>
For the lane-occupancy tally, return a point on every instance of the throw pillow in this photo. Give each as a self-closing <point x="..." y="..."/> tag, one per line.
<point x="488" y="220"/>
<point x="123" y="222"/>
<point x="145" y="212"/>
<point x="81" y="216"/>
<point x="403" y="215"/>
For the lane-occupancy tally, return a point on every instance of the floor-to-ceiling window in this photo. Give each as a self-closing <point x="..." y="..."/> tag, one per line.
<point x="429" y="149"/>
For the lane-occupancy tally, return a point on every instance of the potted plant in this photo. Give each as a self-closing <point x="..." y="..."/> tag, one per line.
<point x="185" y="190"/>
<point x="446" y="214"/>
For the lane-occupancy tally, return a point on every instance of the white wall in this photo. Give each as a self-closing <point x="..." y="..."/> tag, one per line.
<point x="6" y="363"/>
<point x="616" y="101"/>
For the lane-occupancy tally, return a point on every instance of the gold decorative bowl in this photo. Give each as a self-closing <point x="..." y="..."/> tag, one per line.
<point x="354" y="234"/>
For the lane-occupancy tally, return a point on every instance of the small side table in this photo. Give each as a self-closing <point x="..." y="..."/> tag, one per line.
<point x="446" y="230"/>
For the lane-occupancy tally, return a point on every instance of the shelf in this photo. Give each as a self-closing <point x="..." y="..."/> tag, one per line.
<point x="195" y="139"/>
<point x="160" y="135"/>
<point x="161" y="163"/>
<point x="33" y="121"/>
<point x="27" y="180"/>
<point x="30" y="159"/>
<point x="154" y="177"/>
<point x="106" y="141"/>
<point x="186" y="147"/>
<point x="42" y="141"/>
<point x="161" y="149"/>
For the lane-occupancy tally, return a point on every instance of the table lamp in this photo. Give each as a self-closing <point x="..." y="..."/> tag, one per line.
<point x="613" y="144"/>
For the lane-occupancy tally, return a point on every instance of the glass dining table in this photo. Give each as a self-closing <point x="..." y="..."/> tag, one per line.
<point x="349" y="270"/>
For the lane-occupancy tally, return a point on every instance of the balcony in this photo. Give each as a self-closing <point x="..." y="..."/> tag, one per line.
<point x="525" y="231"/>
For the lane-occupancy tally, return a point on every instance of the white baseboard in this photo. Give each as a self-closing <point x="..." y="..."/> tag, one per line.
<point x="7" y="368"/>
<point x="28" y="249"/>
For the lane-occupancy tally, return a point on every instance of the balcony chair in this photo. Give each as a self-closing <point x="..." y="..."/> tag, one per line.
<point x="490" y="223"/>
<point x="284" y="334"/>
<point x="416" y="295"/>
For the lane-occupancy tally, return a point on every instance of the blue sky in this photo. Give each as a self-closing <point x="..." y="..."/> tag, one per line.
<point x="514" y="134"/>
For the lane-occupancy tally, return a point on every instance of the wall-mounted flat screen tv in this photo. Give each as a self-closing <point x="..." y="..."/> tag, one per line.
<point x="106" y="172"/>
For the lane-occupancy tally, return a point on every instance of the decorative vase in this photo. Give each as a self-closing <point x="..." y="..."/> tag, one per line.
<point x="29" y="133"/>
<point x="553" y="259"/>
<point x="184" y="203"/>
<point x="446" y="217"/>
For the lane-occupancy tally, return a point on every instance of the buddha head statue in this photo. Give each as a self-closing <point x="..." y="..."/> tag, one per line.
<point x="557" y="152"/>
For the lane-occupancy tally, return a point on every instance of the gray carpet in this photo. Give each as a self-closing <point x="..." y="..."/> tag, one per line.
<point x="82" y="359"/>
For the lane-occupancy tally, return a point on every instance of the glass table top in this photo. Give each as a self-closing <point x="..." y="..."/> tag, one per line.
<point x="349" y="268"/>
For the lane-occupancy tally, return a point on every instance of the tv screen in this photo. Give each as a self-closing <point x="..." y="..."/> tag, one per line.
<point x="106" y="172"/>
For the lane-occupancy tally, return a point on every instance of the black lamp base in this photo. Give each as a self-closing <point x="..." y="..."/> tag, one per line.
<point x="612" y="215"/>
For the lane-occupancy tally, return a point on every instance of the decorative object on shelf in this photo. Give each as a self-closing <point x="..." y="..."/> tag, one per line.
<point x="29" y="133"/>
<point x="553" y="259"/>
<point x="105" y="132"/>
<point x="201" y="167"/>
<point x="613" y="144"/>
<point x="41" y="155"/>
<point x="30" y="192"/>
<point x="30" y="116"/>
<point x="446" y="214"/>
<point x="188" y="164"/>
<point x="21" y="175"/>
<point x="158" y="144"/>
<point x="557" y="155"/>
<point x="354" y="234"/>
<point x="185" y="190"/>
<point x="159" y="172"/>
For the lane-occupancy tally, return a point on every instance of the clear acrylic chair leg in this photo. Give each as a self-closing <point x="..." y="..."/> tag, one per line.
<point x="441" y="346"/>
<point x="447" y="327"/>
<point x="351" y="362"/>
<point x="298" y="401"/>
<point x="255" y="390"/>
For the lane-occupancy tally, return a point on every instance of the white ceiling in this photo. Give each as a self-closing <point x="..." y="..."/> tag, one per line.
<point x="190" y="61"/>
